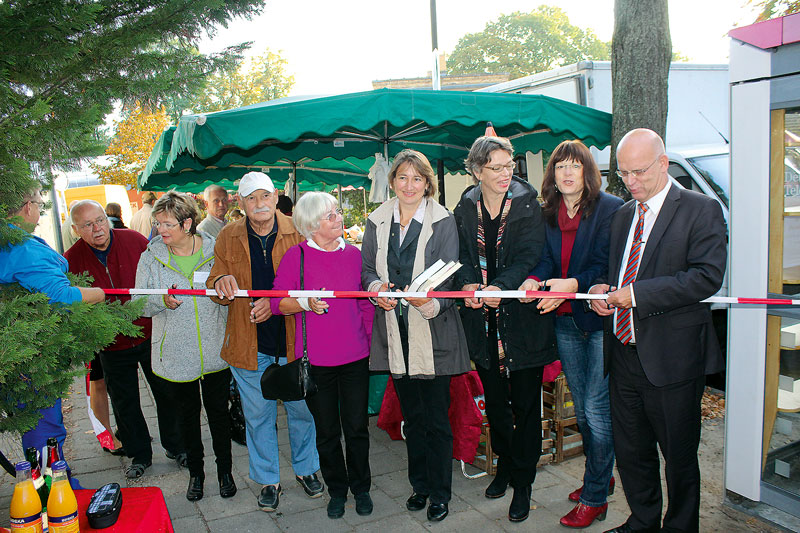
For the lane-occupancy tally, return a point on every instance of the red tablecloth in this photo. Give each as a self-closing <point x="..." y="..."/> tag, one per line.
<point x="143" y="509"/>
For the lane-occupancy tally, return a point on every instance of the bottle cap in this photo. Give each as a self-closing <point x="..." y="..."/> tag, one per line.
<point x="59" y="465"/>
<point x="22" y="465"/>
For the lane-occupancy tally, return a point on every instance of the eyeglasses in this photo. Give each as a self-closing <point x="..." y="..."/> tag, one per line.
<point x="636" y="173"/>
<point x="331" y="217"/>
<point x="39" y="203"/>
<point x="565" y="166"/>
<point x="497" y="169"/>
<point x="166" y="225"/>
<point x="100" y="222"/>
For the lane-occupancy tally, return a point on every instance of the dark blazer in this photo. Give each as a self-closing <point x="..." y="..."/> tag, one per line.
<point x="683" y="263"/>
<point x="528" y="336"/>
<point x="589" y="259"/>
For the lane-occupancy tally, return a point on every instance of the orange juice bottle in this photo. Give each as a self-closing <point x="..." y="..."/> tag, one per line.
<point x="62" y="507"/>
<point x="26" y="507"/>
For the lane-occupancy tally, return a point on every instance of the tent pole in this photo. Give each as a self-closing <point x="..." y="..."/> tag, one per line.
<point x="440" y="171"/>
<point x="364" y="190"/>
<point x="339" y="192"/>
<point x="294" y="182"/>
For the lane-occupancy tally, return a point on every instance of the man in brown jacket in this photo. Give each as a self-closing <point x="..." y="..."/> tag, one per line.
<point x="247" y="254"/>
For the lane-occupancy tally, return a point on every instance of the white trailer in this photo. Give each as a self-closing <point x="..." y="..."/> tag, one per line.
<point x="698" y="98"/>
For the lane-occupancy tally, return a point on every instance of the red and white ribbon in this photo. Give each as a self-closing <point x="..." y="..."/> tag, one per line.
<point x="431" y="294"/>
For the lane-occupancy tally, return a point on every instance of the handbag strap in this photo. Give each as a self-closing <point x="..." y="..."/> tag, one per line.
<point x="303" y="313"/>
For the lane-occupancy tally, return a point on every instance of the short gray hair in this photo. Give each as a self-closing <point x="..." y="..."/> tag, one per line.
<point x="211" y="188"/>
<point x="27" y="196"/>
<point x="180" y="205"/>
<point x="481" y="152"/>
<point x="78" y="204"/>
<point x="308" y="211"/>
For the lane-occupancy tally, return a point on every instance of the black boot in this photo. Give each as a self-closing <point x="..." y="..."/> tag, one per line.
<point x="520" y="504"/>
<point x="195" y="490"/>
<point x="497" y="488"/>
<point x="227" y="486"/>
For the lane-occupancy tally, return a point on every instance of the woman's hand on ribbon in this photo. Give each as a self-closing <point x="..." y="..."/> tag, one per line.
<point x="529" y="284"/>
<point x="492" y="302"/>
<point x="387" y="304"/>
<point x="170" y="301"/>
<point x="417" y="302"/>
<point x="546" y="305"/>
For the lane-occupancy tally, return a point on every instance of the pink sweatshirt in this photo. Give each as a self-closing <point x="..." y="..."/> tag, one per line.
<point x="342" y="335"/>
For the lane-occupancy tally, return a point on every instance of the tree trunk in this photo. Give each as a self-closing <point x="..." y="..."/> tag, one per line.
<point x="641" y="50"/>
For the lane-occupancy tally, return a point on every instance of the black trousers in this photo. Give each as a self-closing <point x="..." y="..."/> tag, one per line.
<point x="514" y="410"/>
<point x="429" y="438"/>
<point x="216" y="390"/>
<point x="645" y="417"/>
<point x="122" y="380"/>
<point x="340" y="405"/>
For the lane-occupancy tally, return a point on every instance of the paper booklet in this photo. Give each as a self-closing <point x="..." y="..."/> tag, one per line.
<point x="433" y="276"/>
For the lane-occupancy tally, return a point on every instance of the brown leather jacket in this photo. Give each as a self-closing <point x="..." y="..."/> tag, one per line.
<point x="232" y="256"/>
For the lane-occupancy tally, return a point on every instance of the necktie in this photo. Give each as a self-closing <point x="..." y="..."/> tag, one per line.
<point x="624" y="316"/>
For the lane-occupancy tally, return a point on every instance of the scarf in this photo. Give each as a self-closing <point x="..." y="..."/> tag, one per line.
<point x="501" y="354"/>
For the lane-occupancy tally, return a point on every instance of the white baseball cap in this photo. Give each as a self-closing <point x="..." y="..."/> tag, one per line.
<point x="253" y="181"/>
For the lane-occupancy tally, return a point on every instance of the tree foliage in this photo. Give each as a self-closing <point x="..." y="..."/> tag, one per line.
<point x="640" y="59"/>
<point x="131" y="145"/>
<point x="526" y="43"/>
<point x="257" y="79"/>
<point x="45" y="347"/>
<point x="775" y="8"/>
<point x="63" y="64"/>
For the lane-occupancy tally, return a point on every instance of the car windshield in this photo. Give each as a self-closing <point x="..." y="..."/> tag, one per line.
<point x="716" y="171"/>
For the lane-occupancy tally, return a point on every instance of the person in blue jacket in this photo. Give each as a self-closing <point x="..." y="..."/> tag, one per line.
<point x="577" y="224"/>
<point x="39" y="268"/>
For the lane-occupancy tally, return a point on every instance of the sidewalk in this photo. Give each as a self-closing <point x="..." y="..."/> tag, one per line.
<point x="470" y="511"/>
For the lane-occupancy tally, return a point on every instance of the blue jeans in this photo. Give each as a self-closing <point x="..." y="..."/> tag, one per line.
<point x="262" y="437"/>
<point x="581" y="354"/>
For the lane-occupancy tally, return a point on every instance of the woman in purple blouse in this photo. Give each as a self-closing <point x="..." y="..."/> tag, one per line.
<point x="338" y="337"/>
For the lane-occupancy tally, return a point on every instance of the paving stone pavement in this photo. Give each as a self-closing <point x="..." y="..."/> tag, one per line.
<point x="470" y="511"/>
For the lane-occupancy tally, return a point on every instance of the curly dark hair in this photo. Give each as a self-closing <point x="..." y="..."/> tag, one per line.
<point x="570" y="151"/>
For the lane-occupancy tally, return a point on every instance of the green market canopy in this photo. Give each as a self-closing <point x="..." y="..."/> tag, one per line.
<point x="333" y="140"/>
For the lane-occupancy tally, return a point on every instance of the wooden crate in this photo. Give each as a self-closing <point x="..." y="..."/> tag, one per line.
<point x="557" y="404"/>
<point x="486" y="459"/>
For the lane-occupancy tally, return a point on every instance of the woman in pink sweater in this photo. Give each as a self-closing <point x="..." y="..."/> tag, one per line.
<point x="338" y="338"/>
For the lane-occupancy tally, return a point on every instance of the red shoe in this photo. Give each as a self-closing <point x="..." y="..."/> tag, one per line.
<point x="575" y="495"/>
<point x="583" y="516"/>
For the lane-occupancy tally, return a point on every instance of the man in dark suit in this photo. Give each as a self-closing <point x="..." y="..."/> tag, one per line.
<point x="667" y="253"/>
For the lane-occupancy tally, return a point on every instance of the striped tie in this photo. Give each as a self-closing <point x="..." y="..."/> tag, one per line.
<point x="624" y="317"/>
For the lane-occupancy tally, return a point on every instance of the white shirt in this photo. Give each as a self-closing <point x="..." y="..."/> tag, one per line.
<point x="654" y="206"/>
<point x="311" y="244"/>
<point x="419" y="216"/>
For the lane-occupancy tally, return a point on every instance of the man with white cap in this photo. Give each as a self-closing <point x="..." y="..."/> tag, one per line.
<point x="247" y="254"/>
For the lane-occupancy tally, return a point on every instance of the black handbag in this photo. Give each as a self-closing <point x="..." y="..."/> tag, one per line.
<point x="290" y="382"/>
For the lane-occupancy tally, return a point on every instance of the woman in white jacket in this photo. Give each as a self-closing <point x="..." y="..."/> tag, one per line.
<point x="187" y="334"/>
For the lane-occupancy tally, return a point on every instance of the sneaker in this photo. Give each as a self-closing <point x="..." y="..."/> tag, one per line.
<point x="269" y="498"/>
<point x="311" y="484"/>
<point x="181" y="458"/>
<point x="136" y="470"/>
<point x="363" y="504"/>
<point x="336" y="507"/>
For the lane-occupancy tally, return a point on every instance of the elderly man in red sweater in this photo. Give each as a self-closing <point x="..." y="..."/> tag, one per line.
<point x="110" y="256"/>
